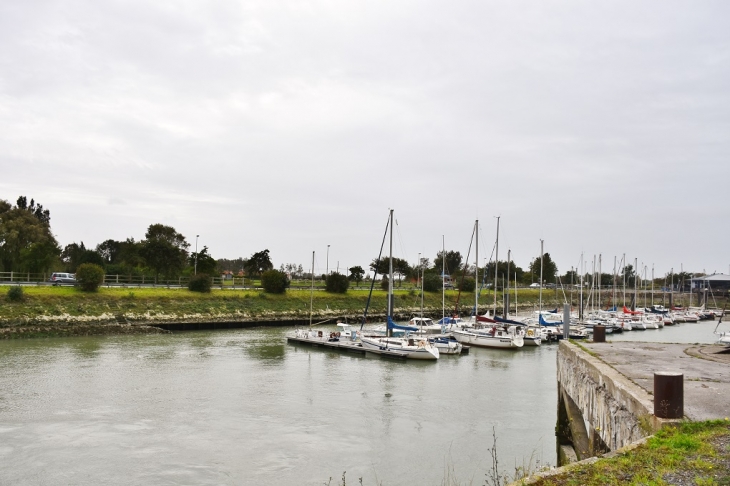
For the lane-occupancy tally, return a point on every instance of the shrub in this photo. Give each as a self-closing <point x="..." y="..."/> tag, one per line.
<point x="467" y="284"/>
<point x="15" y="294"/>
<point x="200" y="283"/>
<point x="337" y="283"/>
<point x="89" y="276"/>
<point x="274" y="281"/>
<point x="432" y="282"/>
<point x="384" y="283"/>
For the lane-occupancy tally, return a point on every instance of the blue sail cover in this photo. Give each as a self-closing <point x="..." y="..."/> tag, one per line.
<point x="393" y="325"/>
<point x="509" y="321"/>
<point x="543" y="322"/>
<point x="446" y="320"/>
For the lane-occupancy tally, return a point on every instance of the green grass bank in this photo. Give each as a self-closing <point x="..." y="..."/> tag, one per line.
<point x="49" y="306"/>
<point x="690" y="453"/>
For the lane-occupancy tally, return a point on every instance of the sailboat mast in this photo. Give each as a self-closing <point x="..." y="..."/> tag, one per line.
<point x="476" y="271"/>
<point x="496" y="264"/>
<point x="636" y="283"/>
<point x="311" y="294"/>
<point x="509" y="254"/>
<point x="540" y="298"/>
<point x="443" y="279"/>
<point x="390" y="277"/>
<point x="652" y="285"/>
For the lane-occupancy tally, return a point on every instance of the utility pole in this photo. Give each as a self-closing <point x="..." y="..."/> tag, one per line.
<point x="195" y="268"/>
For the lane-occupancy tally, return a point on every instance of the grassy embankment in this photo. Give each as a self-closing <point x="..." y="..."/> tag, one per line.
<point x="691" y="453"/>
<point x="68" y="305"/>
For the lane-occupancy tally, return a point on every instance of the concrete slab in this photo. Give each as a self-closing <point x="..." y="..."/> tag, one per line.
<point x="706" y="370"/>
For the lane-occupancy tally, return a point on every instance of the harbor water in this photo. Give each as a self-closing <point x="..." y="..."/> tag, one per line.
<point x="244" y="407"/>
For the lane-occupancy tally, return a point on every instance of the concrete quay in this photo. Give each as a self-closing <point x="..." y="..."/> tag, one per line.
<point x="706" y="370"/>
<point x="605" y="392"/>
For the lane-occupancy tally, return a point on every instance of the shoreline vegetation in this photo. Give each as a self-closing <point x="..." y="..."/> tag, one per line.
<point x="50" y="311"/>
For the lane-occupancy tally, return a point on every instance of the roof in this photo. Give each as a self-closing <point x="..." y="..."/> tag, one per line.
<point x="718" y="277"/>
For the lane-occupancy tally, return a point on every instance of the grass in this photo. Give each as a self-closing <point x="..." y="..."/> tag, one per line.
<point x="690" y="453"/>
<point x="47" y="301"/>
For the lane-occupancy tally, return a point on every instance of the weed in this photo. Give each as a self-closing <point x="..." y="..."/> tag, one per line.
<point x="16" y="294"/>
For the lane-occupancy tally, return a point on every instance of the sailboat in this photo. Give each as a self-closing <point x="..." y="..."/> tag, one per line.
<point x="410" y="347"/>
<point x="311" y="335"/>
<point x="494" y="335"/>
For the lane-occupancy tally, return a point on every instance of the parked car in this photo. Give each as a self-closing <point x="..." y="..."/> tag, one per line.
<point x="535" y="285"/>
<point x="62" y="278"/>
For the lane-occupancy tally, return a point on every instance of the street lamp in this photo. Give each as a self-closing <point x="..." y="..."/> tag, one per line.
<point x="195" y="268"/>
<point x="327" y="268"/>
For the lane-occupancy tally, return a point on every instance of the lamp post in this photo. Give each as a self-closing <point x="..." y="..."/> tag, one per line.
<point x="195" y="268"/>
<point x="327" y="268"/>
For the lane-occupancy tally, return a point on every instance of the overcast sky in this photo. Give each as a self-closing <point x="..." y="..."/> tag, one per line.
<point x="599" y="127"/>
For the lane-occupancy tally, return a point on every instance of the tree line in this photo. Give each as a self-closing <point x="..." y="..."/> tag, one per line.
<point x="27" y="244"/>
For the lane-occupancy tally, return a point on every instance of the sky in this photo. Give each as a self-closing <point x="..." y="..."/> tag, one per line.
<point x="600" y="128"/>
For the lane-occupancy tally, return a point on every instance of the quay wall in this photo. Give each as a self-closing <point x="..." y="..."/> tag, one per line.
<point x="599" y="409"/>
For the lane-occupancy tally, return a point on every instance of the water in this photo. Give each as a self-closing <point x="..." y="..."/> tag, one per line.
<point x="689" y="332"/>
<point x="245" y="407"/>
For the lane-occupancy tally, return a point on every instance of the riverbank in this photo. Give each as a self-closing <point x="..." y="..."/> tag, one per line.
<point x="27" y="332"/>
<point x="689" y="453"/>
<point x="64" y="306"/>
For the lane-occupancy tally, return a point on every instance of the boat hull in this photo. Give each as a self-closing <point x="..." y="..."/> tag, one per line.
<point x="487" y="341"/>
<point x="425" y="352"/>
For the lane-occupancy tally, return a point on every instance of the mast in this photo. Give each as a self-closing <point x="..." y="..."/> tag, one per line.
<point x="600" y="274"/>
<point x="311" y="294"/>
<point x="580" y="308"/>
<point x="496" y="264"/>
<point x="515" y="293"/>
<point x="652" y="285"/>
<point x="390" y="278"/>
<point x="540" y="298"/>
<point x="476" y="271"/>
<point x="623" y="259"/>
<point x="443" y="280"/>
<point x="636" y="283"/>
<point x="613" y="299"/>
<point x="509" y="255"/>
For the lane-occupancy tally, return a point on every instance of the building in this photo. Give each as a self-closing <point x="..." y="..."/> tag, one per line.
<point x="718" y="283"/>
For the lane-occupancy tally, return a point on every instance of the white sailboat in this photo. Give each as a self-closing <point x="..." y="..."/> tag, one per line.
<point x="495" y="335"/>
<point x="411" y="347"/>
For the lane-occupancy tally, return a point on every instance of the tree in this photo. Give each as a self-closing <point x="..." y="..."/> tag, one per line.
<point x="26" y="241"/>
<point x="549" y="268"/>
<point x="337" y="283"/>
<point x="502" y="272"/>
<point x="274" y="281"/>
<point x="89" y="276"/>
<point x="75" y="254"/>
<point x="258" y="263"/>
<point x="400" y="267"/>
<point x="164" y="250"/>
<point x="432" y="282"/>
<point x="453" y="261"/>
<point x="356" y="274"/>
<point x="205" y="263"/>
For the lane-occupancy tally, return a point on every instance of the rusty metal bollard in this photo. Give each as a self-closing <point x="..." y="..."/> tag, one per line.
<point x="669" y="394"/>
<point x="599" y="334"/>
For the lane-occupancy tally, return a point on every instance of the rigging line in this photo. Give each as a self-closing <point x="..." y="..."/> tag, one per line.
<point x="484" y="274"/>
<point x="400" y="242"/>
<point x="375" y="273"/>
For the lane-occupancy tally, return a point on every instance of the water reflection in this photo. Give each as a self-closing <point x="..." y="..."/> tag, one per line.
<point x="245" y="406"/>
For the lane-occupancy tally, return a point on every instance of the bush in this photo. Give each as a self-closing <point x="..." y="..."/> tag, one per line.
<point x="432" y="282"/>
<point x="274" y="281"/>
<point x="15" y="294"/>
<point x="467" y="284"/>
<point x="337" y="283"/>
<point x="384" y="283"/>
<point x="89" y="276"/>
<point x="200" y="283"/>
